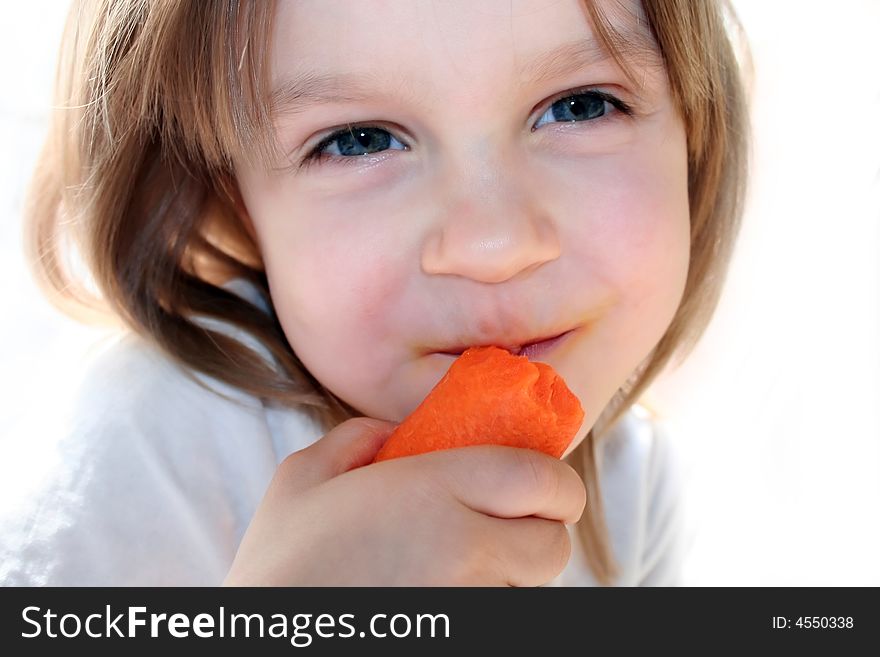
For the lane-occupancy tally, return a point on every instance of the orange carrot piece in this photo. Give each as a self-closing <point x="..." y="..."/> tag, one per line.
<point x="490" y="396"/>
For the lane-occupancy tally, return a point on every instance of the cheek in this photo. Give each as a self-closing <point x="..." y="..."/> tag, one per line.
<point x="652" y="246"/>
<point x="634" y="235"/>
<point x="630" y="247"/>
<point x="338" y="301"/>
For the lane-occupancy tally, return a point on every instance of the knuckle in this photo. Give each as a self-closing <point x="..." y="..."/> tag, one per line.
<point x="362" y="424"/>
<point x="578" y="489"/>
<point x="291" y="461"/>
<point x="473" y="560"/>
<point x="491" y="567"/>
<point x="559" y="550"/>
<point x="541" y="478"/>
<point x="289" y="465"/>
<point x="287" y="471"/>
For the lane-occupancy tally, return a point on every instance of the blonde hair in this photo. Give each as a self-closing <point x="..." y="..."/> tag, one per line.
<point x="154" y="99"/>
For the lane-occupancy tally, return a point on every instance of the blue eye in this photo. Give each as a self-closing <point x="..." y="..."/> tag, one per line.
<point x="350" y="143"/>
<point x="584" y="106"/>
<point x="578" y="106"/>
<point x="356" y="140"/>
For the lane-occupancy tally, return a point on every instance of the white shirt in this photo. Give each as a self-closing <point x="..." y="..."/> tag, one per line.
<point x="145" y="478"/>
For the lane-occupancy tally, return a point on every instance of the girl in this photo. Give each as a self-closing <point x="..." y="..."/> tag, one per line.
<point x="300" y="208"/>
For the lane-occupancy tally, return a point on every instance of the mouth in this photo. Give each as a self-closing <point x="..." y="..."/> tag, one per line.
<point x="532" y="350"/>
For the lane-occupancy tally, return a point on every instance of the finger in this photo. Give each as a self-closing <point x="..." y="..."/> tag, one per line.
<point x="524" y="551"/>
<point x="510" y="482"/>
<point x="349" y="445"/>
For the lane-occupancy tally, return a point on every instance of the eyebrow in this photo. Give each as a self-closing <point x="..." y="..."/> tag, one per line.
<point x="309" y="88"/>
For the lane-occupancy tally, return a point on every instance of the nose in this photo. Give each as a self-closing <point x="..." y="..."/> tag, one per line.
<point x="490" y="226"/>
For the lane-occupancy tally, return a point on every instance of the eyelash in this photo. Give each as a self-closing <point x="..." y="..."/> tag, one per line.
<point x="316" y="156"/>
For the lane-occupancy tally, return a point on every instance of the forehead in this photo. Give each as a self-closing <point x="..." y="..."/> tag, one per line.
<point x="327" y="47"/>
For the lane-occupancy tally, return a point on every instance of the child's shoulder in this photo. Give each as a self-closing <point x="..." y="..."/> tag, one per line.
<point x="126" y="371"/>
<point x="643" y="491"/>
<point x="132" y="391"/>
<point x="139" y="476"/>
<point x="639" y="440"/>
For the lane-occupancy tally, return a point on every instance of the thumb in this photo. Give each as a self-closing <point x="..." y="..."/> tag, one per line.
<point x="349" y="445"/>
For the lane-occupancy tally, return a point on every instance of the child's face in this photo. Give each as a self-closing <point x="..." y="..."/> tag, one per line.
<point x="442" y="218"/>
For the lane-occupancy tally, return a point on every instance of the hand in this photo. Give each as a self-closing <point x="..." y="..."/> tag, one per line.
<point x="473" y="516"/>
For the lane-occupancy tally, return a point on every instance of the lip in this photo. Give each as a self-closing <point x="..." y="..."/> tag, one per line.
<point x="538" y="350"/>
<point x="532" y="350"/>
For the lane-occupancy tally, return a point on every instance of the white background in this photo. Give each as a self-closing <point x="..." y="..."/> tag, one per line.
<point x="776" y="412"/>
